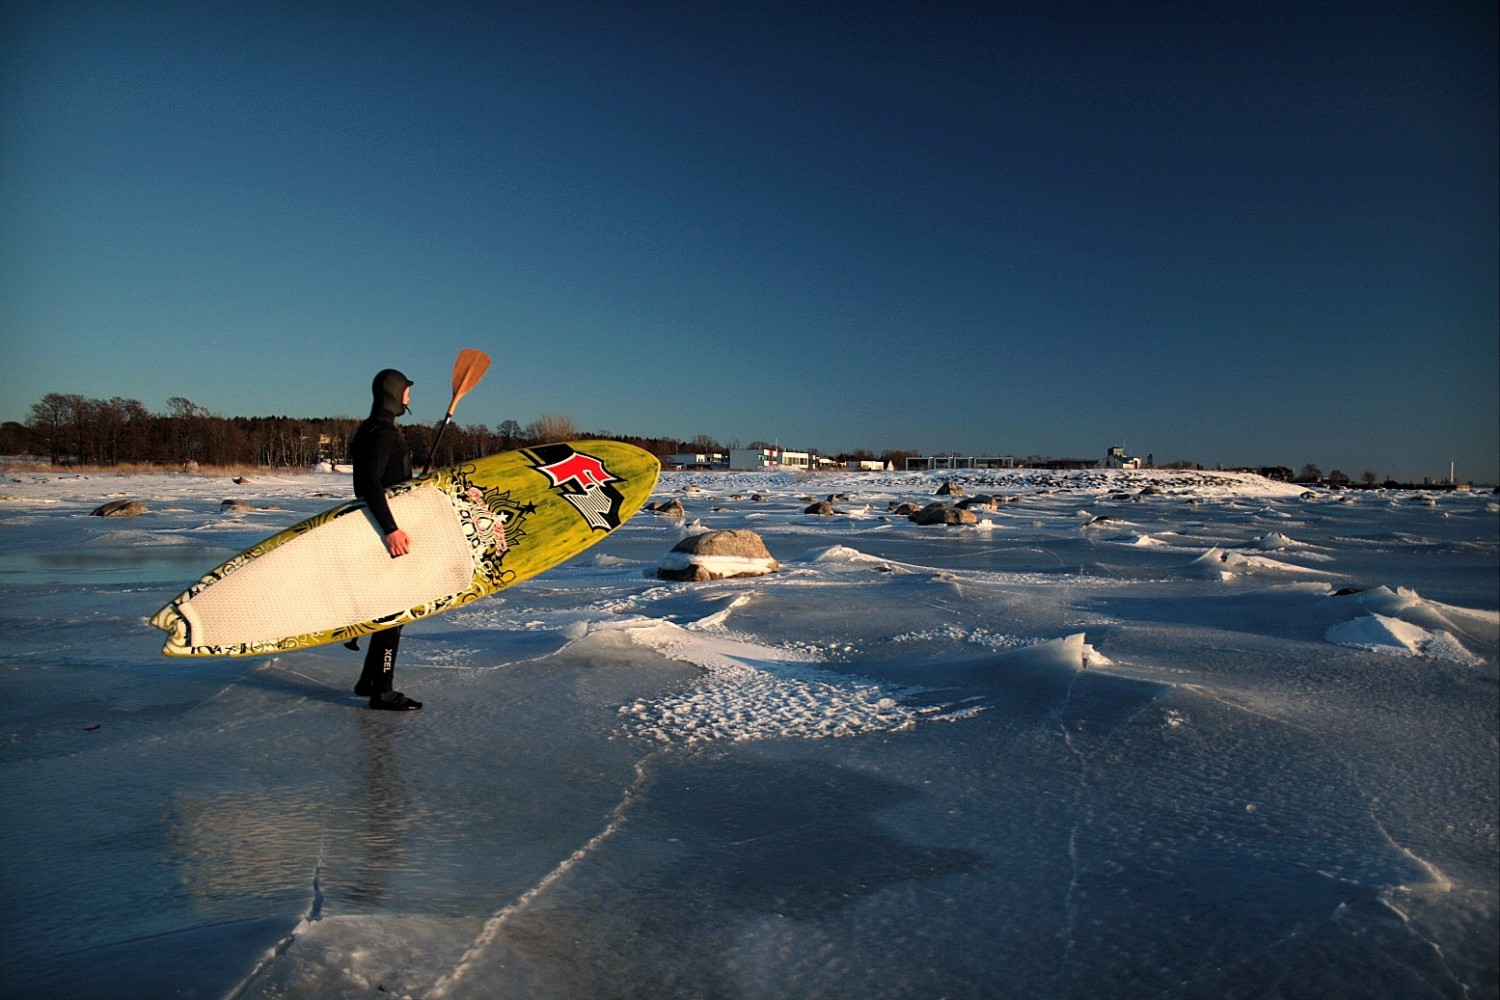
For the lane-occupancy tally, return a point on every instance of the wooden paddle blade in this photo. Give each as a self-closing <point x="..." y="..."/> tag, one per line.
<point x="468" y="370"/>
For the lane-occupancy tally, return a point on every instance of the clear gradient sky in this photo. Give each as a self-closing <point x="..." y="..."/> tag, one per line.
<point x="1237" y="233"/>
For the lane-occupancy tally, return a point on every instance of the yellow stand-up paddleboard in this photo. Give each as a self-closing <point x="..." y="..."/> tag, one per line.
<point x="474" y="529"/>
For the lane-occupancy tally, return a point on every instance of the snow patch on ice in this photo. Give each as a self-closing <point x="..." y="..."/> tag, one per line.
<point x="718" y="618"/>
<point x="954" y="633"/>
<point x="1275" y="541"/>
<point x="1384" y="600"/>
<point x="755" y="692"/>
<point x="1226" y="564"/>
<point x="836" y="555"/>
<point x="1140" y="541"/>
<point x="718" y="565"/>
<point x="1381" y="634"/>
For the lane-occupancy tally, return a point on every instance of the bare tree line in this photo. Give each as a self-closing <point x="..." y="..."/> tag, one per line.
<point x="68" y="430"/>
<point x="72" y="430"/>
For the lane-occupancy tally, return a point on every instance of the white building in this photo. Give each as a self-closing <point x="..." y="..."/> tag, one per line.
<point x="697" y="460"/>
<point x="1117" y="459"/>
<point x="777" y="459"/>
<point x="960" y="462"/>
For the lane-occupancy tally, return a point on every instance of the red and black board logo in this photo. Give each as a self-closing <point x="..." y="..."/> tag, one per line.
<point x="583" y="481"/>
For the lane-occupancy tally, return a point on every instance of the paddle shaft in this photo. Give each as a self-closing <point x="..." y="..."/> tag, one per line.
<point x="432" y="453"/>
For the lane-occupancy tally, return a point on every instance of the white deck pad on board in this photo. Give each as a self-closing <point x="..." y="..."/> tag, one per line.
<point x="338" y="574"/>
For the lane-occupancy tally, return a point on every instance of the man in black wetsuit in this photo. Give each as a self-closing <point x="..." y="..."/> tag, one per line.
<point x="381" y="458"/>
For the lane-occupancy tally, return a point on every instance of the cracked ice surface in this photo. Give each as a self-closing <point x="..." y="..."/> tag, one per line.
<point x="1218" y="740"/>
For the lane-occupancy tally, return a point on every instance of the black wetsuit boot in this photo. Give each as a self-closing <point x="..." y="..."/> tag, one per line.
<point x="379" y="675"/>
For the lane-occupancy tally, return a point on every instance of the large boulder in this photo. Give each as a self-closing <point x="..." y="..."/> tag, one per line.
<point x="717" y="555"/>
<point x="940" y="513"/>
<point x="119" y="508"/>
<point x="240" y="507"/>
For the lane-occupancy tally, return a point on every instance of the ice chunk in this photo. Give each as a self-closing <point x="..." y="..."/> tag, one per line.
<point x="1382" y="634"/>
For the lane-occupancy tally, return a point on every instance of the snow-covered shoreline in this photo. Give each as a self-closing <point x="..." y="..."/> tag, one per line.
<point x="54" y="484"/>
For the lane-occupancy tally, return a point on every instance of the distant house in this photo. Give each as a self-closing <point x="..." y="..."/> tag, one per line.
<point x="697" y="460"/>
<point x="1117" y="459"/>
<point x="754" y="459"/>
<point x="867" y="465"/>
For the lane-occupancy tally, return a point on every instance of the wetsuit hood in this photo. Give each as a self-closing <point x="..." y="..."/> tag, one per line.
<point x="388" y="389"/>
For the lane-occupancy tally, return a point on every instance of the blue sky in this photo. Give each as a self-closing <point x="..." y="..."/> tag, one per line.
<point x="1228" y="233"/>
